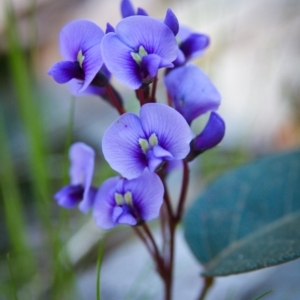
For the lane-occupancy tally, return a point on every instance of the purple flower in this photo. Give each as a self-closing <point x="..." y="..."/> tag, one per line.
<point x="127" y="10"/>
<point x="81" y="173"/>
<point x="134" y="143"/>
<point x="122" y="201"/>
<point x="102" y="78"/>
<point x="191" y="45"/>
<point x="80" y="46"/>
<point x="211" y="136"/>
<point x="137" y="49"/>
<point x="191" y="91"/>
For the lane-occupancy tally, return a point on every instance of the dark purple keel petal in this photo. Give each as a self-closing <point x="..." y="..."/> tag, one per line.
<point x="171" y="21"/>
<point x="171" y="129"/>
<point x="120" y="146"/>
<point x="194" y="45"/>
<point x="147" y="193"/>
<point x="118" y="60"/>
<point x="69" y="196"/>
<point x="152" y="34"/>
<point x="103" y="210"/>
<point x="127" y="9"/>
<point x="191" y="91"/>
<point x="211" y="135"/>
<point x="64" y="71"/>
<point x="79" y="35"/>
<point x="75" y="85"/>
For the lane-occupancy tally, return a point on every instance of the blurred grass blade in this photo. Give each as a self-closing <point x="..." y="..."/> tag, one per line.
<point x="13" y="210"/>
<point x="30" y="114"/>
<point x="12" y="278"/>
<point x="263" y="295"/>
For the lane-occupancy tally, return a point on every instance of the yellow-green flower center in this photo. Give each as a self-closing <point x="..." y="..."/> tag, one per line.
<point x="80" y="58"/>
<point x="124" y="199"/>
<point x="150" y="143"/>
<point x="138" y="56"/>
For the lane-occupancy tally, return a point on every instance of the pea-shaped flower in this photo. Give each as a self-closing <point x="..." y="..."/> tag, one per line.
<point x="211" y="136"/>
<point x="191" y="45"/>
<point x="80" y="46"/>
<point x="79" y="191"/>
<point x="137" y="49"/>
<point x="122" y="201"/>
<point x="191" y="91"/>
<point x="134" y="143"/>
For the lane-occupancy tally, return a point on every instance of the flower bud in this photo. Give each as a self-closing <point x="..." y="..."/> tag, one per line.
<point x="211" y="135"/>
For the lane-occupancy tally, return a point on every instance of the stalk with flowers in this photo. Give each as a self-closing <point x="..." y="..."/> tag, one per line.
<point x="143" y="149"/>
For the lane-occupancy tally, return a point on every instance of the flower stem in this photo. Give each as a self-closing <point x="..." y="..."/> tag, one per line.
<point x="114" y="100"/>
<point x="144" y="240"/>
<point x="153" y="90"/>
<point x="141" y="97"/>
<point x="185" y="182"/>
<point x="208" y="282"/>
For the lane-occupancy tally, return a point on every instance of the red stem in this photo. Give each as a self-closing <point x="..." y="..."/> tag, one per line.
<point x="140" y="95"/>
<point x="185" y="182"/>
<point x="114" y="100"/>
<point x="144" y="240"/>
<point x="158" y="259"/>
<point x="208" y="282"/>
<point x="153" y="91"/>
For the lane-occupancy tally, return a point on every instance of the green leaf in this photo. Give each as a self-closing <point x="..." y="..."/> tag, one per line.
<point x="249" y="218"/>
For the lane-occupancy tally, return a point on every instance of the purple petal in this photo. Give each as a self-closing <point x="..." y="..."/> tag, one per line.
<point x="79" y="35"/>
<point x="81" y="171"/>
<point x="153" y="162"/>
<point x="150" y="33"/>
<point x="211" y="135"/>
<point x="127" y="9"/>
<point x="64" y="71"/>
<point x="191" y="91"/>
<point x="87" y="200"/>
<point x="120" y="146"/>
<point x="118" y="60"/>
<point x="194" y="45"/>
<point x="91" y="65"/>
<point x="171" y="21"/>
<point x="158" y="151"/>
<point x="109" y="28"/>
<point x="104" y="204"/>
<point x="141" y="12"/>
<point x="147" y="193"/>
<point x="126" y="217"/>
<point x="180" y="58"/>
<point x="151" y="64"/>
<point x="69" y="196"/>
<point x="171" y="129"/>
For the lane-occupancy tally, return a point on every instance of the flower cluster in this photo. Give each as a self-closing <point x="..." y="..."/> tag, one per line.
<point x="141" y="148"/>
